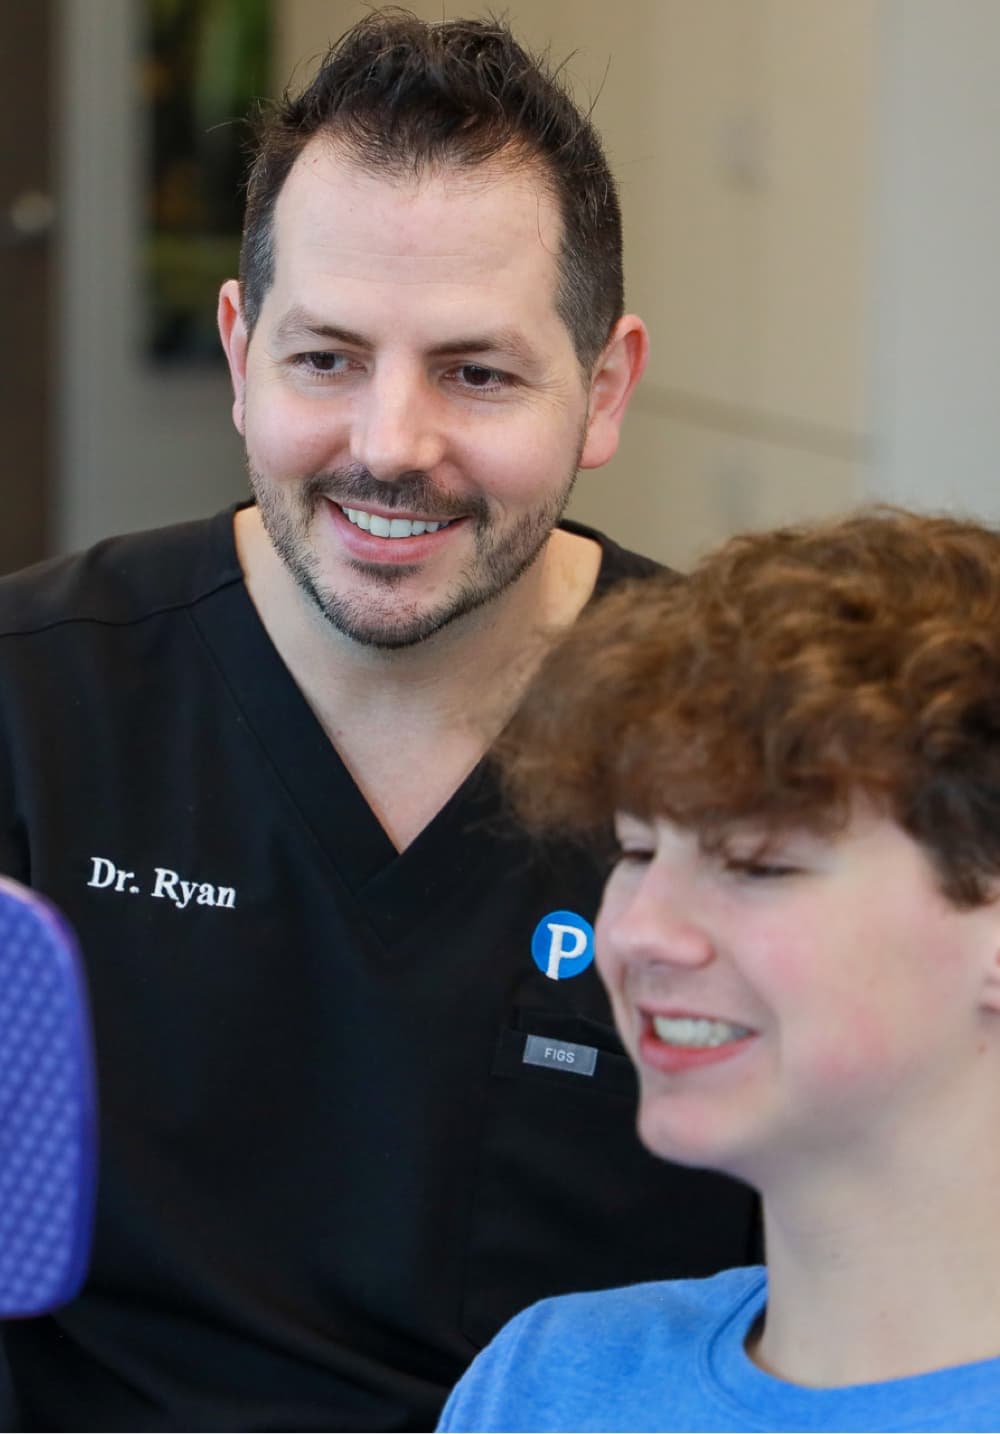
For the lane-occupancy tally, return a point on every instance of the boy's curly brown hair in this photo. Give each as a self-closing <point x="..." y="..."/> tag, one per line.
<point x="792" y="672"/>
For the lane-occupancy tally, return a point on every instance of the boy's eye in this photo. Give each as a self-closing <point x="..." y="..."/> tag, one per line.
<point x="633" y="842"/>
<point x="759" y="870"/>
<point x="631" y="855"/>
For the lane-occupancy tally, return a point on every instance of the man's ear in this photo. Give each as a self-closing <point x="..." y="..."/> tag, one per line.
<point x="233" y="333"/>
<point x="616" y="374"/>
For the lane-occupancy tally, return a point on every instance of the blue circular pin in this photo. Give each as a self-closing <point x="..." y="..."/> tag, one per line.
<point x="562" y="945"/>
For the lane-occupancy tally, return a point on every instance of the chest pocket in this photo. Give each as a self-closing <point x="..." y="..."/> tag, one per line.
<point x="567" y="1198"/>
<point x="549" y="1046"/>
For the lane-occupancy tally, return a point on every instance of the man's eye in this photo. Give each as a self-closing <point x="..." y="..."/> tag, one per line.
<point x="322" y="361"/>
<point x="476" y="375"/>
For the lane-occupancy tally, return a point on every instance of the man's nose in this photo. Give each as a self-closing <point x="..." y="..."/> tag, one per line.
<point x="396" y="427"/>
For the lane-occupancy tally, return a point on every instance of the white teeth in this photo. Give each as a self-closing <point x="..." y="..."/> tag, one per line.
<point x="696" y="1031"/>
<point x="390" y="527"/>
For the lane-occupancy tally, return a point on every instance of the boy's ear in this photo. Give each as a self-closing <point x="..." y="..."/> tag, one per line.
<point x="990" y="994"/>
<point x="233" y="333"/>
<point x="991" y="991"/>
<point x="615" y="375"/>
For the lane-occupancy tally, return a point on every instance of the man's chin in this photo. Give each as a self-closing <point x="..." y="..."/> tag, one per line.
<point x="386" y="631"/>
<point x="386" y="637"/>
<point x="394" y="627"/>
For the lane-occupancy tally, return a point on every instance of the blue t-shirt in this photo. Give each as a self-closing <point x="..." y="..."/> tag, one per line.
<point x="671" y="1356"/>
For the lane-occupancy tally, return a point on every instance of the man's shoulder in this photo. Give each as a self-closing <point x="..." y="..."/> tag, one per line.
<point x="122" y="580"/>
<point x="618" y="564"/>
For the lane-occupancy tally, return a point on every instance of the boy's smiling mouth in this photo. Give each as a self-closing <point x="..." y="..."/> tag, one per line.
<point x="697" y="1032"/>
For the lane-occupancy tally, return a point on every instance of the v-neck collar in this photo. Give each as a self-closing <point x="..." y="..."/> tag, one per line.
<point x="393" y="886"/>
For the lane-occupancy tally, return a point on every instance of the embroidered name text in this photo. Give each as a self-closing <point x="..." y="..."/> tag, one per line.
<point x="168" y="885"/>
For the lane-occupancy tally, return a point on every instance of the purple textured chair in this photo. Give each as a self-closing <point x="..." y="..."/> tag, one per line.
<point x="47" y="1108"/>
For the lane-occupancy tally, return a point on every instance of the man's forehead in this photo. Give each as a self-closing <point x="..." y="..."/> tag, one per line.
<point x="331" y="195"/>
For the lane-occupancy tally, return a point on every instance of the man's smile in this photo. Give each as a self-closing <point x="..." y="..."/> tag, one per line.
<point x="383" y="527"/>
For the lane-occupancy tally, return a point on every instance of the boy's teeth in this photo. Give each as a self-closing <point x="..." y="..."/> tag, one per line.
<point x="696" y="1031"/>
<point x="390" y="527"/>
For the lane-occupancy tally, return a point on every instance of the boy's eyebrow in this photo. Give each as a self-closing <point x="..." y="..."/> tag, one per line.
<point x="298" y="324"/>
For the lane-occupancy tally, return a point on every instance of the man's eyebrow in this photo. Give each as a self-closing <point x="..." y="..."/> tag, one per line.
<point x="509" y="341"/>
<point x="298" y="324"/>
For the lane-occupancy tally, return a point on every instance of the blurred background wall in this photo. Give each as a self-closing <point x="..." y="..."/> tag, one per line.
<point x="812" y="207"/>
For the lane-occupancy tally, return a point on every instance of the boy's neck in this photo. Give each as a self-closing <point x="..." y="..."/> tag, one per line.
<point x="868" y="1284"/>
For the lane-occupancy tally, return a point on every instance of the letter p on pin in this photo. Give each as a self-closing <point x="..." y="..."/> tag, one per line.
<point x="562" y="945"/>
<point x="567" y="943"/>
<point x="48" y="1125"/>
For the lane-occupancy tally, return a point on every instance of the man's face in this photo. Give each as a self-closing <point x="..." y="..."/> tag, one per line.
<point x="807" y="1010"/>
<point x="413" y="408"/>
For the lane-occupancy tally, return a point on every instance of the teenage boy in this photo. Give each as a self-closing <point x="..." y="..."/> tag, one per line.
<point x="800" y="753"/>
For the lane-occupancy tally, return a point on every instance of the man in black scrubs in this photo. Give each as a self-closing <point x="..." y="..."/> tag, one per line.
<point x="361" y="1097"/>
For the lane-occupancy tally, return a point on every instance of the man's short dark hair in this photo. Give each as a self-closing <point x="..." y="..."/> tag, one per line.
<point x="403" y="96"/>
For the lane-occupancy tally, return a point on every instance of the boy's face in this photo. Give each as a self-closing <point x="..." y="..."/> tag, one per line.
<point x="817" y="1002"/>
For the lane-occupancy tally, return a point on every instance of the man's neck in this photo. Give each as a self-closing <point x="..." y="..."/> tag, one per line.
<point x="411" y="724"/>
